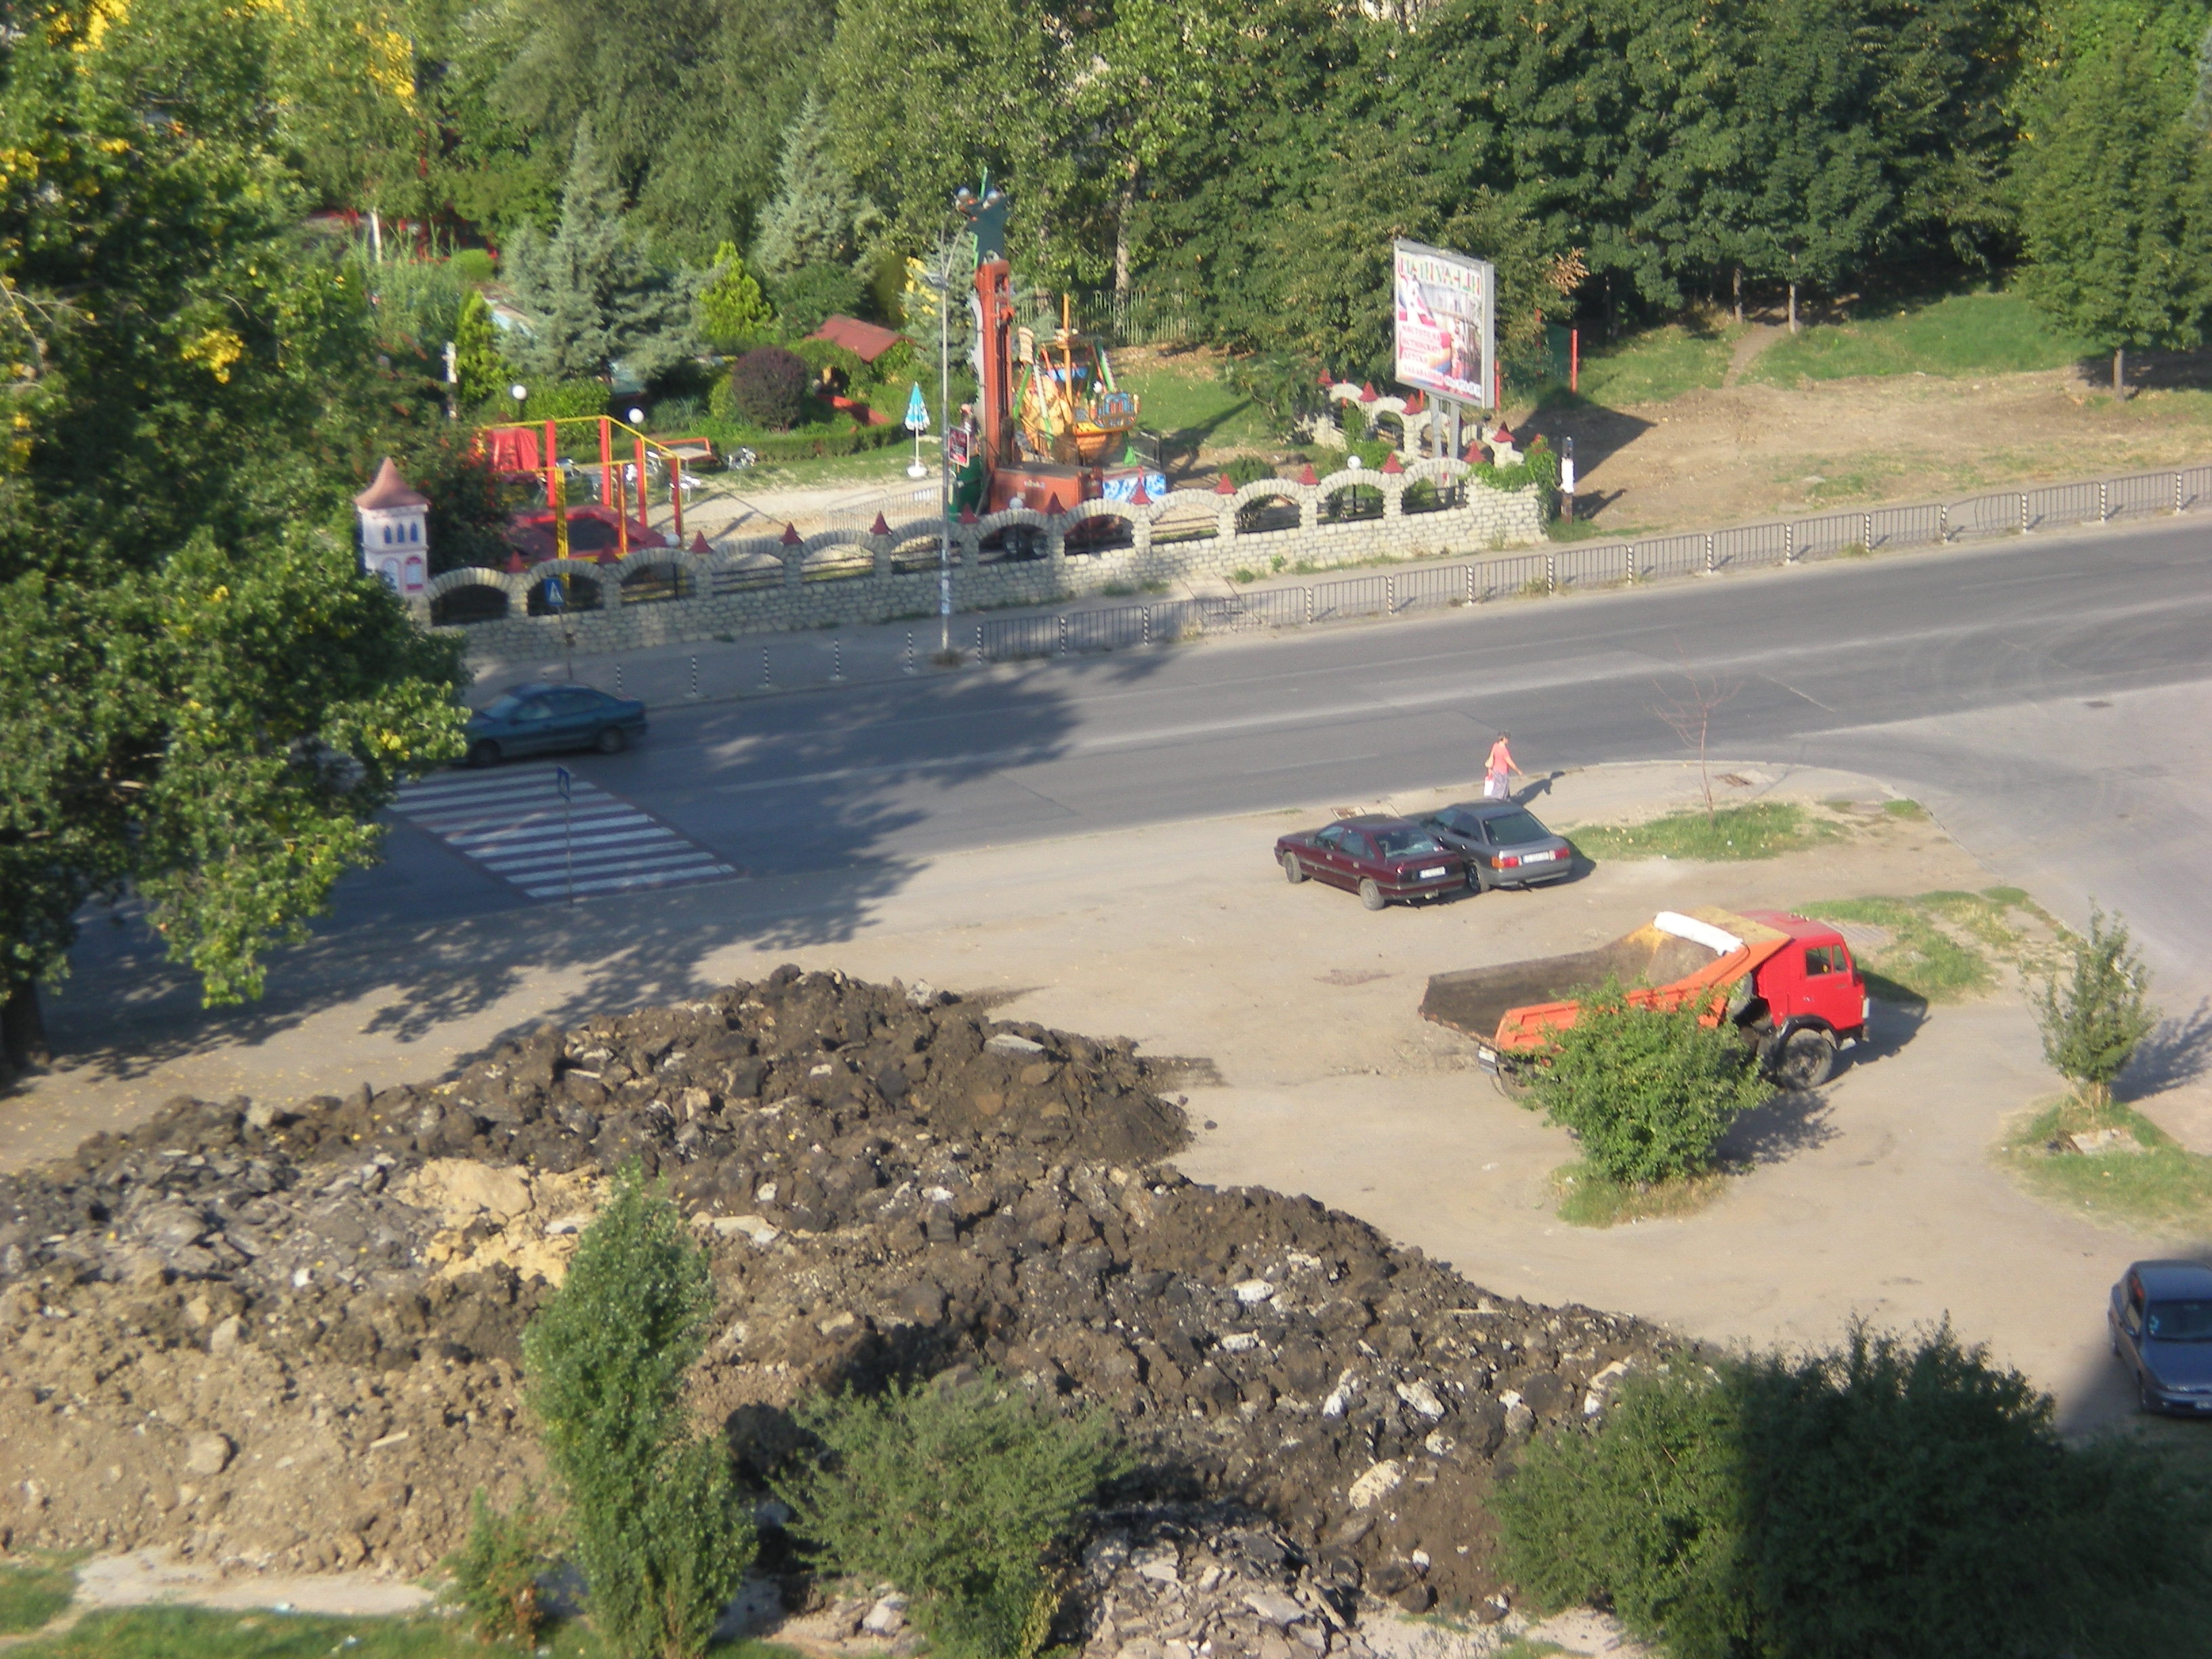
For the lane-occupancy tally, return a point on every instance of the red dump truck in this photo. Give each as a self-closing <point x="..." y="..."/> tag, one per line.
<point x="1787" y="983"/>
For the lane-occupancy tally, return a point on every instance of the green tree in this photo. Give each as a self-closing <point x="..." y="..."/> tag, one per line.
<point x="1889" y="1496"/>
<point x="485" y="374"/>
<point x="733" y="312"/>
<point x="2116" y="215"/>
<point x="1648" y="1091"/>
<point x="688" y="98"/>
<point x="593" y="294"/>
<point x="816" y="216"/>
<point x="955" y="1495"/>
<point x="207" y="699"/>
<point x="662" y="1535"/>
<point x="2094" y="1024"/>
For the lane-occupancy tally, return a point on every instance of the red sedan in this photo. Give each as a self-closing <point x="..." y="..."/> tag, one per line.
<point x="1381" y="858"/>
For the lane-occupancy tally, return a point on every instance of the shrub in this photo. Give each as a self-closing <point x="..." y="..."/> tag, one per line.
<point x="495" y="1569"/>
<point x="955" y="1495"/>
<point x="1648" y="1092"/>
<point x="832" y="363"/>
<point x="768" y="386"/>
<point x="813" y="294"/>
<point x="2091" y="1028"/>
<point x="661" y="1535"/>
<point x="1891" y="1497"/>
<point x="1248" y="469"/>
<point x="562" y="400"/>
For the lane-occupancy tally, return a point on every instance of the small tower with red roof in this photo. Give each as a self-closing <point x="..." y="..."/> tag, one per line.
<point x="395" y="542"/>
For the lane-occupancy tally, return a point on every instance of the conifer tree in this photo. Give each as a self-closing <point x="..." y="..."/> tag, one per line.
<point x="816" y="216"/>
<point x="482" y="367"/>
<point x="593" y="294"/>
<point x="733" y="310"/>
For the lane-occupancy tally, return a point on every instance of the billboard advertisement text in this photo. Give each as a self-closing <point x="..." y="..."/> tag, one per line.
<point x="1445" y="305"/>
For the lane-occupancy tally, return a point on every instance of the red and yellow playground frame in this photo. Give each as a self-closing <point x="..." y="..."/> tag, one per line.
<point x="504" y="440"/>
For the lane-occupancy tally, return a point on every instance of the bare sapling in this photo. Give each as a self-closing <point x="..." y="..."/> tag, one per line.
<point x="1689" y="710"/>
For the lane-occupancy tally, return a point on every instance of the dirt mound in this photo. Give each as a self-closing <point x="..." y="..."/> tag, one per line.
<point x="289" y="1337"/>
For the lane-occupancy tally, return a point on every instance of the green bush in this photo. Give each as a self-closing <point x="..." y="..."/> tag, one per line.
<point x="838" y="437"/>
<point x="2092" y="1025"/>
<point x="1648" y="1092"/>
<point x="828" y="358"/>
<point x="495" y="1569"/>
<point x="1249" y="469"/>
<point x="813" y="294"/>
<point x="661" y="1533"/>
<point x="1897" y="1497"/>
<point x="562" y="400"/>
<point x="956" y="1495"/>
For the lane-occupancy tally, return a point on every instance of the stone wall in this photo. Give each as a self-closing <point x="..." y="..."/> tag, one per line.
<point x="769" y="584"/>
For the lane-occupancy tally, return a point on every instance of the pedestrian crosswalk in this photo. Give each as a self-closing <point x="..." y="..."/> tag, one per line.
<point x="515" y="825"/>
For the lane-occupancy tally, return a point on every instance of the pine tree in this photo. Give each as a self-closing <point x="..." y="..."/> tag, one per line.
<point x="816" y="215"/>
<point x="733" y="310"/>
<point x="2117" y="220"/>
<point x="592" y="294"/>
<point x="484" y="372"/>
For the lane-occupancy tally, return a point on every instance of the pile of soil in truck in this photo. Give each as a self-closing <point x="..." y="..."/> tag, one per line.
<point x="288" y="1337"/>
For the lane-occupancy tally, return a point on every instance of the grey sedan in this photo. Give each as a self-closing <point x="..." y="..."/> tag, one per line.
<point x="2161" y="1316"/>
<point x="533" y="719"/>
<point x="1504" y="845"/>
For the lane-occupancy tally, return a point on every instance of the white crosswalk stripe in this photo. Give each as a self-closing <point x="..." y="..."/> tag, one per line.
<point x="510" y="822"/>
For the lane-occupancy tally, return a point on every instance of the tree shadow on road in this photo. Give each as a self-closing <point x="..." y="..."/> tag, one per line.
<point x="820" y="805"/>
<point x="2178" y="1052"/>
<point x="1790" y="1121"/>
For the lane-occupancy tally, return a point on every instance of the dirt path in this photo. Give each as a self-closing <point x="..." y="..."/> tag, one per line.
<point x="1755" y="339"/>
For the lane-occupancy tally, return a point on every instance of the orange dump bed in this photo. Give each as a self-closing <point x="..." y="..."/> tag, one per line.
<point x="1673" y="958"/>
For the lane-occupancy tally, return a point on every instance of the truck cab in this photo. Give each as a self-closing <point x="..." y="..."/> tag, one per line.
<point x="1810" y="985"/>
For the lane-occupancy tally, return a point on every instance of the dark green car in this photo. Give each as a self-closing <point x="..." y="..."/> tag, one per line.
<point x="536" y="718"/>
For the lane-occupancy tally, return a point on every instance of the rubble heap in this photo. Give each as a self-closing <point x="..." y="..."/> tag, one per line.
<point x="291" y="1336"/>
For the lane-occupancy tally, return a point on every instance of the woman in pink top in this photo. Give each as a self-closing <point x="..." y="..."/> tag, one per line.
<point x="1500" y="769"/>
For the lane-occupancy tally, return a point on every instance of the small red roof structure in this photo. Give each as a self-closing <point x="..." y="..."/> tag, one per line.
<point x="1390" y="463"/>
<point x="699" y="549"/>
<point x="1224" y="487"/>
<point x="881" y="527"/>
<point x="388" y="490"/>
<point x="866" y="341"/>
<point x="1307" y="476"/>
<point x="1052" y="509"/>
<point x="790" y="537"/>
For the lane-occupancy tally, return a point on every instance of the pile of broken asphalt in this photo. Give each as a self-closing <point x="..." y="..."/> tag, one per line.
<point x="288" y="1338"/>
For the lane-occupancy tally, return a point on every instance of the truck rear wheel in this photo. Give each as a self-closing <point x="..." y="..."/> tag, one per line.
<point x="1805" y="1060"/>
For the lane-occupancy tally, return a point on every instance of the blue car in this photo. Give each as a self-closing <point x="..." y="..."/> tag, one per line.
<point x="536" y="718"/>
<point x="2161" y="1322"/>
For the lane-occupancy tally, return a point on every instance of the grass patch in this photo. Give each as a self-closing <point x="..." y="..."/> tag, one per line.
<point x="168" y="1632"/>
<point x="1943" y="947"/>
<point x="1187" y="403"/>
<point x="2164" y="1187"/>
<point x="1912" y="812"/>
<point x="1762" y="830"/>
<point x="30" y="1595"/>
<point x="1651" y="368"/>
<point x="1589" y="1199"/>
<point x="1965" y="334"/>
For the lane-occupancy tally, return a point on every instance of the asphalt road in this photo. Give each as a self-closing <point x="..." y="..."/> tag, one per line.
<point x="2047" y="699"/>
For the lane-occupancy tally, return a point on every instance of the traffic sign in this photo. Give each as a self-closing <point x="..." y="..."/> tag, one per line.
<point x="564" y="781"/>
<point x="917" y="412"/>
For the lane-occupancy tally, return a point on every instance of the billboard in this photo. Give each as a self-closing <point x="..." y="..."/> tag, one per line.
<point x="1446" y="306"/>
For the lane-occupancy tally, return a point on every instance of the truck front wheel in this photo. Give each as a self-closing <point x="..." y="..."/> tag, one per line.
<point x="1806" y="1060"/>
